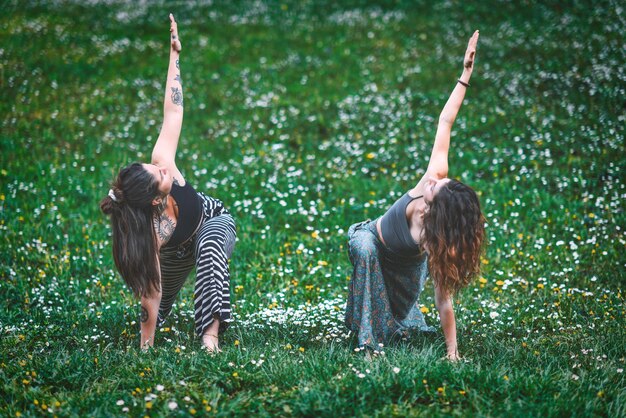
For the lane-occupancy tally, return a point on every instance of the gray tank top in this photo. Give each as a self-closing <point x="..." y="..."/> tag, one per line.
<point x="395" y="227"/>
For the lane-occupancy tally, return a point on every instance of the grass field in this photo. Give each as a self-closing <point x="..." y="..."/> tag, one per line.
<point x="305" y="117"/>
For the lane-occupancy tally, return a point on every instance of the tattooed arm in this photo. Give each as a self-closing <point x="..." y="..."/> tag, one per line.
<point x="148" y="318"/>
<point x="164" y="152"/>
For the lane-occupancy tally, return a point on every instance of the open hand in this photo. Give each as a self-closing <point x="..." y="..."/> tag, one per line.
<point x="470" y="53"/>
<point x="176" y="46"/>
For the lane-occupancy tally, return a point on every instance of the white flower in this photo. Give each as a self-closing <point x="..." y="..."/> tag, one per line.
<point x="120" y="402"/>
<point x="493" y="315"/>
<point x="160" y="388"/>
<point x="396" y="370"/>
<point x="575" y="376"/>
<point x="172" y="405"/>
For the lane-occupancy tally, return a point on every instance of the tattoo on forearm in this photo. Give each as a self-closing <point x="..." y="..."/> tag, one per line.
<point x="144" y="314"/>
<point x="177" y="96"/>
<point x="180" y="80"/>
<point x="177" y="65"/>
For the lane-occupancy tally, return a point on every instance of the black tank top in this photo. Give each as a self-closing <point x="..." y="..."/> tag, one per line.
<point x="395" y="228"/>
<point x="189" y="213"/>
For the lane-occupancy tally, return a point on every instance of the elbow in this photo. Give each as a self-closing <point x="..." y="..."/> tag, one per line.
<point x="443" y="303"/>
<point x="445" y="119"/>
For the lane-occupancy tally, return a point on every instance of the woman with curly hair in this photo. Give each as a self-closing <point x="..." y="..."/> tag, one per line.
<point x="163" y="228"/>
<point x="435" y="229"/>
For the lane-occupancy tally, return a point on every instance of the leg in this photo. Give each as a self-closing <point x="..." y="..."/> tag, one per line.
<point x="176" y="264"/>
<point x="367" y="312"/>
<point x="212" y="291"/>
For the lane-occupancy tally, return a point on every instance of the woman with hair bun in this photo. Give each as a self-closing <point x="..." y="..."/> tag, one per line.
<point x="162" y="229"/>
<point x="436" y="229"/>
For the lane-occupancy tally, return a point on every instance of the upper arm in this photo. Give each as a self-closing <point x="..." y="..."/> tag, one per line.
<point x="438" y="164"/>
<point x="164" y="151"/>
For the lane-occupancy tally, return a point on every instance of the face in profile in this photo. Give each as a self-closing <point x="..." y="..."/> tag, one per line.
<point x="162" y="176"/>
<point x="432" y="188"/>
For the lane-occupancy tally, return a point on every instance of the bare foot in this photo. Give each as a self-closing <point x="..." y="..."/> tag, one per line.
<point x="211" y="343"/>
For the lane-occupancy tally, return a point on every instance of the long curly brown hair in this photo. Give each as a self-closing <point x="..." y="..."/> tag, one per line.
<point x="454" y="231"/>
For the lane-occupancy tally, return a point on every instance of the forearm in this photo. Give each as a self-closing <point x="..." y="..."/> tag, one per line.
<point x="149" y="315"/>
<point x="452" y="106"/>
<point x="448" y="324"/>
<point x="173" y="100"/>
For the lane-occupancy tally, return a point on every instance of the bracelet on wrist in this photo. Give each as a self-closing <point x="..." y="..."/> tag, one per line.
<point x="463" y="83"/>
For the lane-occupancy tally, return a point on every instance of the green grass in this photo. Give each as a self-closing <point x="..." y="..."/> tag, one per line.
<point x="303" y="117"/>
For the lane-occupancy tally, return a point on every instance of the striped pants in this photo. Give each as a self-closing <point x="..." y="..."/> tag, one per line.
<point x="209" y="250"/>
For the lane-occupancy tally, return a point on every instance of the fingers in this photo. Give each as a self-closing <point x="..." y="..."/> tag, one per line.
<point x="173" y="26"/>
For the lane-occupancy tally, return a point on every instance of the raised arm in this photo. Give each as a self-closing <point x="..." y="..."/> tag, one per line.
<point x="164" y="152"/>
<point x="438" y="165"/>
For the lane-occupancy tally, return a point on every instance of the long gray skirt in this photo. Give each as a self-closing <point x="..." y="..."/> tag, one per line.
<point x="384" y="289"/>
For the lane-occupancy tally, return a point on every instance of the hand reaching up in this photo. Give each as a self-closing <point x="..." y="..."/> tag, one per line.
<point x="470" y="53"/>
<point x="176" y="45"/>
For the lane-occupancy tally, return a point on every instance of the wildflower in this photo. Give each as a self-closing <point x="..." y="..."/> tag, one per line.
<point x="160" y="388"/>
<point x="396" y="370"/>
<point x="301" y="349"/>
<point x="235" y="374"/>
<point x="119" y="402"/>
<point x="424" y="309"/>
<point x="461" y="392"/>
<point x="236" y="343"/>
<point x="370" y="156"/>
<point x="172" y="405"/>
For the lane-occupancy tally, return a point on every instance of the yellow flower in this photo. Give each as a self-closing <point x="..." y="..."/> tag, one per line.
<point x="301" y="349"/>
<point x="540" y="286"/>
<point x="499" y="282"/>
<point x="235" y="374"/>
<point x="148" y="405"/>
<point x="424" y="309"/>
<point x="461" y="392"/>
<point x="236" y="343"/>
<point x="482" y="280"/>
<point x="315" y="234"/>
<point x="370" y="156"/>
<point x="506" y="377"/>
